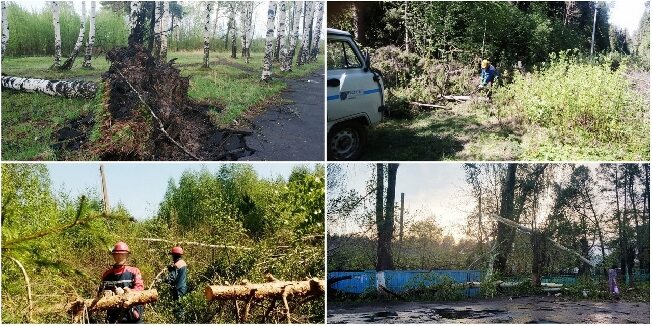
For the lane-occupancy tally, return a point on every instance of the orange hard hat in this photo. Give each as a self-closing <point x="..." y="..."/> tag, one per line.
<point x="176" y="251"/>
<point x="120" y="247"/>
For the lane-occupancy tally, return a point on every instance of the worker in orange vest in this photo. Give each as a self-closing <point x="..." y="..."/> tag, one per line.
<point x="121" y="278"/>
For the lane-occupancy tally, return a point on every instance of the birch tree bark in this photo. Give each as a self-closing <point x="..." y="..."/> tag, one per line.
<point x="67" y="65"/>
<point x="319" y="14"/>
<point x="165" y="30"/>
<point x="277" y="28"/>
<point x="244" y="8"/>
<point x="5" y="28"/>
<point x="136" y="23"/>
<point x="207" y="22"/>
<point x="298" y="9"/>
<point x="269" y="42"/>
<point x="56" y="11"/>
<point x="282" y="28"/>
<point x="91" y="39"/>
<point x="234" y="48"/>
<point x="307" y="27"/>
<point x="250" y="30"/>
<point x="158" y="13"/>
<point x="65" y="88"/>
<point x="217" y="16"/>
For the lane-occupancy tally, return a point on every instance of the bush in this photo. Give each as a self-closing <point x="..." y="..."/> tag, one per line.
<point x="578" y="101"/>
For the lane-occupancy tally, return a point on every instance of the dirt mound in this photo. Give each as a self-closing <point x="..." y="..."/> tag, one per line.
<point x="74" y="135"/>
<point x="141" y="96"/>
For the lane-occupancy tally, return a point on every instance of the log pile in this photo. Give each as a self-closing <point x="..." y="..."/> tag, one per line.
<point x="118" y="301"/>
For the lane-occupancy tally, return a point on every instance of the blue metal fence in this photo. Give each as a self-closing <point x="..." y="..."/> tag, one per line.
<point x="401" y="281"/>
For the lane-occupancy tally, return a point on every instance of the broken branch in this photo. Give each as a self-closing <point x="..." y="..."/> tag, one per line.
<point x="193" y="243"/>
<point x="29" y="288"/>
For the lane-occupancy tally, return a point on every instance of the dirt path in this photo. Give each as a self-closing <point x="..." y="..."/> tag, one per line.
<point x="523" y="310"/>
<point x="295" y="131"/>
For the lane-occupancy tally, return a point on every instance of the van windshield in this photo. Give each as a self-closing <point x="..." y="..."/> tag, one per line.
<point x="342" y="56"/>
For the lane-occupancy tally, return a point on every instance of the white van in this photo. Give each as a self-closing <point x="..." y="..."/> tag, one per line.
<point x="354" y="97"/>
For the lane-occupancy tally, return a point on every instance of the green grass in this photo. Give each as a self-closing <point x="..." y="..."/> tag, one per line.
<point x="29" y="120"/>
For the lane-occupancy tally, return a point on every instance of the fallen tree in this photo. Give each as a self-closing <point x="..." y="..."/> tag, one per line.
<point x="273" y="289"/>
<point x="80" y="307"/>
<point x="53" y="87"/>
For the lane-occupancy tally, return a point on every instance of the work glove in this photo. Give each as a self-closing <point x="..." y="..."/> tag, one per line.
<point x="119" y="291"/>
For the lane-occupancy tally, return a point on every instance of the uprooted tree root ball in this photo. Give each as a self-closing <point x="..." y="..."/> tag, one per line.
<point x="149" y="116"/>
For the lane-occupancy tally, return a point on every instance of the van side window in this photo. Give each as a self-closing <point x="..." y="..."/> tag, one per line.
<point x="341" y="56"/>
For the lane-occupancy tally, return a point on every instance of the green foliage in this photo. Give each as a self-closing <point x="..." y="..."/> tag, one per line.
<point x="201" y="206"/>
<point x="443" y="289"/>
<point x="579" y="103"/>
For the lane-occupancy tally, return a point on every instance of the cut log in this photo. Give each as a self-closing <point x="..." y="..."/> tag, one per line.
<point x="65" y="88"/>
<point x="425" y="105"/>
<point x="118" y="301"/>
<point x="275" y="289"/>
<point x="458" y="98"/>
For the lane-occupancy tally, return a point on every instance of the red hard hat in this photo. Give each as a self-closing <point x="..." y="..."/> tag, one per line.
<point x="176" y="250"/>
<point x="120" y="247"/>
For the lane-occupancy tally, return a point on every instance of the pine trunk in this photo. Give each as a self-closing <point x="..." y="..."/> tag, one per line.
<point x="118" y="301"/>
<point x="67" y="65"/>
<point x="307" y="27"/>
<point x="298" y="5"/>
<point x="5" y="28"/>
<point x="274" y="289"/>
<point x="65" y="88"/>
<point x="207" y="22"/>
<point x="165" y="30"/>
<point x="91" y="39"/>
<point x="319" y="15"/>
<point x="56" y="11"/>
<point x="269" y="42"/>
<point x="282" y="31"/>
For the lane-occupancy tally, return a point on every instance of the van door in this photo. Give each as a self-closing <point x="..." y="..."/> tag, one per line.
<point x="351" y="91"/>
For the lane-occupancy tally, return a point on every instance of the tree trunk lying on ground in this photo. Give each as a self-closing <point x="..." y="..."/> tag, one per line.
<point x="274" y="289"/>
<point x="121" y="301"/>
<point x="65" y="88"/>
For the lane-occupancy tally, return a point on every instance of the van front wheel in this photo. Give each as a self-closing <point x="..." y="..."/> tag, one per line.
<point x="346" y="141"/>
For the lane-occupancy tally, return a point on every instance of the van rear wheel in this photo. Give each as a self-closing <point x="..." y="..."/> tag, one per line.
<point x="346" y="141"/>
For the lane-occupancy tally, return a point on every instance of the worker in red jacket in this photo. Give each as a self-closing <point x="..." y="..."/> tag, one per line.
<point x="121" y="278"/>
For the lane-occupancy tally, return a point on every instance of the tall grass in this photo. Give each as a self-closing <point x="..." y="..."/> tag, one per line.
<point x="579" y="103"/>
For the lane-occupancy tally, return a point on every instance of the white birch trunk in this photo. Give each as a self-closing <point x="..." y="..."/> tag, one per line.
<point x="250" y="30"/>
<point x="78" y="44"/>
<point x="298" y="6"/>
<point x="133" y="17"/>
<point x="91" y="38"/>
<point x="243" y="28"/>
<point x="234" y="49"/>
<point x="318" y="17"/>
<point x="277" y="28"/>
<point x="217" y="15"/>
<point x="165" y="30"/>
<point x="269" y="42"/>
<point x="307" y="26"/>
<point x="282" y="31"/>
<point x="57" y="33"/>
<point x="158" y="13"/>
<point x="207" y="34"/>
<point x="5" y="28"/>
<point x="65" y="88"/>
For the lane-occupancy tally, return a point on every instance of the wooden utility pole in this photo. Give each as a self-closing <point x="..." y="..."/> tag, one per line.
<point x="105" y="193"/>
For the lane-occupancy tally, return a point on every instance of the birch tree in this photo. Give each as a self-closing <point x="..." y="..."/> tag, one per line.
<point x="307" y="27"/>
<point x="157" y="22"/>
<point x="319" y="14"/>
<point x="78" y="44"/>
<point x="269" y="42"/>
<point x="165" y="30"/>
<point x="244" y="8"/>
<point x="135" y="23"/>
<point x="249" y="29"/>
<point x="65" y="88"/>
<point x="207" y="35"/>
<point x="296" y="17"/>
<point x="91" y="39"/>
<point x="5" y="28"/>
<point x="56" y="11"/>
<point x="232" y="11"/>
<point x="282" y="27"/>
<point x="277" y="28"/>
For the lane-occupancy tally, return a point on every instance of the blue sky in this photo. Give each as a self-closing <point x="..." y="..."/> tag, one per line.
<point x="138" y="186"/>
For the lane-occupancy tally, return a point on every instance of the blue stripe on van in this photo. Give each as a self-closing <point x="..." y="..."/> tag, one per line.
<point x="332" y="97"/>
<point x="371" y="91"/>
<point x="367" y="92"/>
